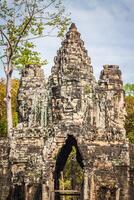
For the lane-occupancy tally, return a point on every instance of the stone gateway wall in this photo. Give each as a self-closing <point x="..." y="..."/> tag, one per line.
<point x="72" y="109"/>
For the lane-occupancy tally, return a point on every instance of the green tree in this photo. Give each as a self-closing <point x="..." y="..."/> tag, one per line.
<point x="129" y="125"/>
<point x="3" y="123"/>
<point x="3" y="120"/>
<point x="129" y="100"/>
<point x="129" y="89"/>
<point x="27" y="56"/>
<point x="72" y="175"/>
<point x="22" y="20"/>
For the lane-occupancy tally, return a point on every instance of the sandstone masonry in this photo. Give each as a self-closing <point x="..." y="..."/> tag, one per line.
<point x="71" y="109"/>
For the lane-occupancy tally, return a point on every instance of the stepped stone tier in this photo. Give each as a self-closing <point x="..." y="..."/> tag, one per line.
<point x="72" y="109"/>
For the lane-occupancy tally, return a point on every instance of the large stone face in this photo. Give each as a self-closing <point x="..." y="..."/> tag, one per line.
<point x="71" y="79"/>
<point x="32" y="97"/>
<point x="71" y="109"/>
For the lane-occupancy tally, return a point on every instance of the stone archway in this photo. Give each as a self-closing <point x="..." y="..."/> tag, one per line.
<point x="61" y="162"/>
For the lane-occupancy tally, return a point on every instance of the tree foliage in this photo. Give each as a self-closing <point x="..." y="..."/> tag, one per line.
<point x="72" y="177"/>
<point x="27" y="56"/>
<point x="129" y="89"/>
<point x="129" y="125"/>
<point x="21" y="21"/>
<point x="3" y="121"/>
<point x="129" y="99"/>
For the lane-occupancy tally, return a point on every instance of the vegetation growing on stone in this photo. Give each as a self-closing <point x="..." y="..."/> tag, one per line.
<point x="87" y="89"/>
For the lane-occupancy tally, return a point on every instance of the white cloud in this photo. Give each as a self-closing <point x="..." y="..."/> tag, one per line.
<point x="106" y="26"/>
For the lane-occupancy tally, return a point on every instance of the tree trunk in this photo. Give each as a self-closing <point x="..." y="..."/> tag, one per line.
<point x="8" y="103"/>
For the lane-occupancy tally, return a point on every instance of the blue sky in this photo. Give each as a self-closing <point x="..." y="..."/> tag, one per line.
<point x="107" y="28"/>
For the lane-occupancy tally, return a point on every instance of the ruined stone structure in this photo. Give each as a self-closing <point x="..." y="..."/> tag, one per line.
<point x="71" y="109"/>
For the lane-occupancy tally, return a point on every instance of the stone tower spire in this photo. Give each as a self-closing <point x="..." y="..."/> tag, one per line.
<point x="73" y="27"/>
<point x="72" y="58"/>
<point x="32" y="96"/>
<point x="70" y="111"/>
<point x="71" y="74"/>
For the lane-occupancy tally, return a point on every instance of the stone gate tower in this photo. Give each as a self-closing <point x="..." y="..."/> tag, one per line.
<point x="70" y="110"/>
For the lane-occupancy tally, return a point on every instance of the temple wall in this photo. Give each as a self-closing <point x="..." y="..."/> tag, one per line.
<point x="5" y="174"/>
<point x="131" y="172"/>
<point x="71" y="109"/>
<point x="26" y="155"/>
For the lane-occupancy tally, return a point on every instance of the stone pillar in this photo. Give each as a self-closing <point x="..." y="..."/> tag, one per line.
<point x="86" y="186"/>
<point x="51" y="193"/>
<point x="92" y="187"/>
<point x="26" y="192"/>
<point x="45" y="195"/>
<point x="118" y="194"/>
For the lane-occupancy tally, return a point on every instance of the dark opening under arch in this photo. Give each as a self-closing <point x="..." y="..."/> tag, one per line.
<point x="17" y="193"/>
<point x="62" y="159"/>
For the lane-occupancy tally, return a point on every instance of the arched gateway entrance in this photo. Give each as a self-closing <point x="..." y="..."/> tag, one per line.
<point x="69" y="175"/>
<point x="72" y="103"/>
